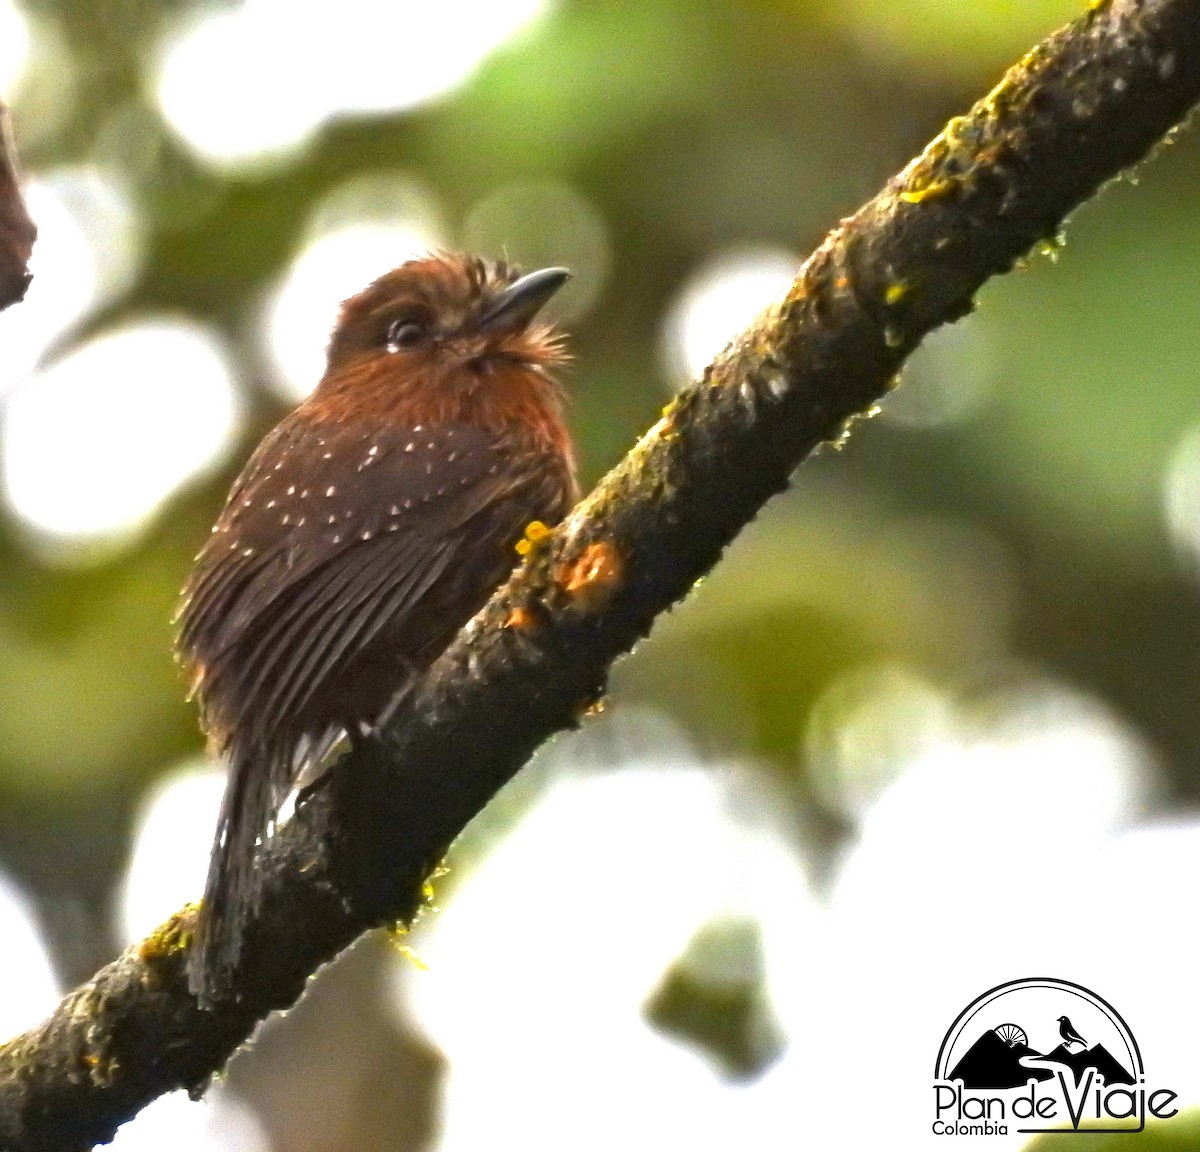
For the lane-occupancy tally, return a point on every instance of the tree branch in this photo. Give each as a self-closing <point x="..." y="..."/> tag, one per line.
<point x="17" y="232"/>
<point x="1085" y="104"/>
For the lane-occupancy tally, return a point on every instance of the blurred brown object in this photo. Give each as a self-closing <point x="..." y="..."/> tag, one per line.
<point x="17" y="231"/>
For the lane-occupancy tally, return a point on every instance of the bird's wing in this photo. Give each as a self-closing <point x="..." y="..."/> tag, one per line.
<point x="335" y="533"/>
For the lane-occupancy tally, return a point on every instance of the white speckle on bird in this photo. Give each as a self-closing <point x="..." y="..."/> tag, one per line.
<point x="395" y="511"/>
<point x="286" y="519"/>
<point x="332" y="520"/>
<point x="291" y="490"/>
<point x="233" y="547"/>
<point x="418" y="427"/>
<point x="247" y="551"/>
<point x="337" y="539"/>
<point x="493" y="469"/>
<point x="452" y="457"/>
<point x="374" y="450"/>
<point x="465" y="481"/>
<point x="216" y="528"/>
<point x="409" y="446"/>
<point x="366" y="535"/>
<point x="431" y="445"/>
<point x="429" y="468"/>
<point x="278" y="465"/>
<point x="330" y="490"/>
<point x="441" y="491"/>
<point x="408" y="503"/>
<point x="300" y="522"/>
<point x="271" y="503"/>
<point x="247" y="502"/>
<point x="303" y="493"/>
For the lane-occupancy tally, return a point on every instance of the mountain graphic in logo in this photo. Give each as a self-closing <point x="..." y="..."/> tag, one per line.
<point x="996" y="1060"/>
<point x="992" y="1062"/>
<point x="1098" y="1058"/>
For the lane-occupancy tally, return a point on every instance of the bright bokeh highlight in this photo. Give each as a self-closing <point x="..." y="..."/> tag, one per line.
<point x="171" y="843"/>
<point x="538" y="224"/>
<point x="326" y="59"/>
<point x="719" y="301"/>
<point x="14" y="46"/>
<point x="1181" y="496"/>
<point x="540" y="965"/>
<point x="217" y="1123"/>
<point x="88" y="250"/>
<point x="359" y="232"/>
<point x="28" y="987"/>
<point x="947" y="378"/>
<point x="96" y="444"/>
<point x="867" y="726"/>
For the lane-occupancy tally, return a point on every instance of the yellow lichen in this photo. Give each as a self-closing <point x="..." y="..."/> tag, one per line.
<point x="934" y="190"/>
<point x="896" y="292"/>
<point x="410" y="954"/>
<point x="535" y="533"/>
<point x="167" y="940"/>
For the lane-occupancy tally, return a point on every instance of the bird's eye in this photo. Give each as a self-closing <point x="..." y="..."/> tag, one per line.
<point x="404" y="334"/>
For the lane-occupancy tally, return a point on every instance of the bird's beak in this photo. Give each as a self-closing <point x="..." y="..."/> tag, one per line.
<point x="521" y="301"/>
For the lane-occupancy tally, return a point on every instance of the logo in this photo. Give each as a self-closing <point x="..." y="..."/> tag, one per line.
<point x="1042" y="1055"/>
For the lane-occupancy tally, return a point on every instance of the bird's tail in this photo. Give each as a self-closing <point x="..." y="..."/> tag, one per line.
<point x="232" y="891"/>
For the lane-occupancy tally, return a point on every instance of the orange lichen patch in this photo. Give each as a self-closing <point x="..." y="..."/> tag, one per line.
<point x="521" y="619"/>
<point x="592" y="579"/>
<point x="535" y="533"/>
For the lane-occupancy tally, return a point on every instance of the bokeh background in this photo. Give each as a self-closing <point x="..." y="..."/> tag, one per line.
<point x="930" y="726"/>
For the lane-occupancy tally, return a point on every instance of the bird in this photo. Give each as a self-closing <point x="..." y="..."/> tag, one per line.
<point x="1067" y="1031"/>
<point x="366" y="529"/>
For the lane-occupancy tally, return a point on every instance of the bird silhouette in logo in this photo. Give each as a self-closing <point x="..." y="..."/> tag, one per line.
<point x="1067" y="1031"/>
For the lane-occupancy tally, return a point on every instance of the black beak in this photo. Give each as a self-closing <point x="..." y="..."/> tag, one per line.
<point x="521" y="301"/>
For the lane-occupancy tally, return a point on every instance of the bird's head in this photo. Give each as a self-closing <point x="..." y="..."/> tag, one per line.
<point x="1062" y="1019"/>
<point x="448" y="338"/>
<point x="449" y="313"/>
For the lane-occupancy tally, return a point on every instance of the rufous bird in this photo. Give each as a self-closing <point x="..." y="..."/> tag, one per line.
<point x="367" y="528"/>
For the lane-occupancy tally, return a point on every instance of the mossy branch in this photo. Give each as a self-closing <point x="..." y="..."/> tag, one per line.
<point x="1084" y="105"/>
<point x="17" y="232"/>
